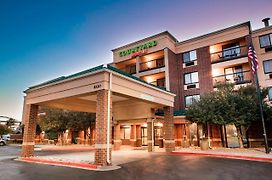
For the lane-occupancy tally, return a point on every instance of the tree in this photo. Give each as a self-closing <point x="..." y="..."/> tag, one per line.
<point x="10" y="122"/>
<point x="229" y="106"/>
<point x="4" y="130"/>
<point x="57" y="120"/>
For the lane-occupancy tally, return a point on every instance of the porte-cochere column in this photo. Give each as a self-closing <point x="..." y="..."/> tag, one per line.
<point x="169" y="129"/>
<point x="101" y="128"/>
<point x="30" y="120"/>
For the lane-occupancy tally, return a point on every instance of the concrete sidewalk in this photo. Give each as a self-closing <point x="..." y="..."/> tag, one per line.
<point x="257" y="154"/>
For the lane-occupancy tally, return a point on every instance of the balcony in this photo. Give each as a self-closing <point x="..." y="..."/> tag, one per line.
<point x="153" y="64"/>
<point x="237" y="78"/>
<point x="131" y="69"/>
<point x="229" y="54"/>
<point x="159" y="82"/>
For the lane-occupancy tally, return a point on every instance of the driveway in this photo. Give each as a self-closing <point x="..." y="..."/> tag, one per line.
<point x="157" y="166"/>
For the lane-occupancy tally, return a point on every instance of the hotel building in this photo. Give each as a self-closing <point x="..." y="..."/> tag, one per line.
<point x="141" y="97"/>
<point x="193" y="67"/>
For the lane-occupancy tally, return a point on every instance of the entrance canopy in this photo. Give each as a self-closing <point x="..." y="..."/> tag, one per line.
<point x="107" y="91"/>
<point x="78" y="92"/>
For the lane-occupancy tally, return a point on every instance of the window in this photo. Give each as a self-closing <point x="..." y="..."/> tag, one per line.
<point x="161" y="82"/>
<point x="231" y="50"/>
<point x="265" y="40"/>
<point x="270" y="94"/>
<point x="190" y="99"/>
<point x="267" y="66"/>
<point x="125" y="132"/>
<point x="191" y="78"/>
<point x="189" y="56"/>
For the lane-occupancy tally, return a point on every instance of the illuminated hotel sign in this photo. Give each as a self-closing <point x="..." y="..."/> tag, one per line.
<point x="138" y="49"/>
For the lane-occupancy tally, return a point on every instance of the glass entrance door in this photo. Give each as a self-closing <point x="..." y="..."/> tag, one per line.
<point x="144" y="136"/>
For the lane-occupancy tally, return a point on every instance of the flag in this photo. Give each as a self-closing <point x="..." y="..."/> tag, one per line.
<point x="253" y="59"/>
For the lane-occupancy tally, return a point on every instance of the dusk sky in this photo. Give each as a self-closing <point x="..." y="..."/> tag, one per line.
<point x="42" y="40"/>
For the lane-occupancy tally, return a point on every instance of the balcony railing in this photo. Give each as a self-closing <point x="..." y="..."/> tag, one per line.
<point x="236" y="78"/>
<point x="229" y="53"/>
<point x="153" y="64"/>
<point x="131" y="69"/>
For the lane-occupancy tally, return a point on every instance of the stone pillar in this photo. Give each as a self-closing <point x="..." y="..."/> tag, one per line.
<point x="30" y="121"/>
<point x="168" y="129"/>
<point x="101" y="128"/>
<point x="133" y="135"/>
<point x="138" y="136"/>
<point x="117" y="137"/>
<point x="150" y="131"/>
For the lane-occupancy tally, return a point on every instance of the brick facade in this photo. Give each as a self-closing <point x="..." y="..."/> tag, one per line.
<point x="168" y="129"/>
<point x="30" y="122"/>
<point x="101" y="128"/>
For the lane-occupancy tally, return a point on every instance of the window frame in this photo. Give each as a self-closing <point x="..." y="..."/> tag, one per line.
<point x="190" y="60"/>
<point x="184" y="80"/>
<point x="270" y="40"/>
<point x="264" y="66"/>
<point x="269" y="98"/>
<point x="123" y="135"/>
<point x="193" y="98"/>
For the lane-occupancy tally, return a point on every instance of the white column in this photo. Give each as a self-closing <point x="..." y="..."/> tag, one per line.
<point x="166" y="62"/>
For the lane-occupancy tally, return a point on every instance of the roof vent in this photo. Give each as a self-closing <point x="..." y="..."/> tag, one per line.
<point x="266" y="22"/>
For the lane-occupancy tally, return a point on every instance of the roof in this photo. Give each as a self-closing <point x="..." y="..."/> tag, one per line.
<point x="94" y="69"/>
<point x="217" y="32"/>
<point x="147" y="38"/>
<point x="262" y="29"/>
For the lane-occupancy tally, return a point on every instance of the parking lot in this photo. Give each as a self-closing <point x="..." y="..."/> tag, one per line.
<point x="156" y="166"/>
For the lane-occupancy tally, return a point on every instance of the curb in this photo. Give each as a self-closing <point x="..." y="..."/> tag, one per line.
<point x="68" y="149"/>
<point x="59" y="163"/>
<point x="250" y="158"/>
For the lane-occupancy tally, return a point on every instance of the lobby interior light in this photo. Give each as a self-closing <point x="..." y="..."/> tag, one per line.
<point x="149" y="64"/>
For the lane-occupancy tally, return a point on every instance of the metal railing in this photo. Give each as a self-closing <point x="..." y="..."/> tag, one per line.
<point x="153" y="64"/>
<point x="229" y="53"/>
<point x="236" y="78"/>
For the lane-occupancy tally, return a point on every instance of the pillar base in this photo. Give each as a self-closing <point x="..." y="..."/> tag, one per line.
<point x="27" y="150"/>
<point x="169" y="145"/>
<point x="138" y="142"/>
<point x="101" y="157"/>
<point x="150" y="147"/>
<point x="133" y="143"/>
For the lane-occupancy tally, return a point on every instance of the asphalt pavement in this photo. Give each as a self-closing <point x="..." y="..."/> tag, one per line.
<point x="158" y="166"/>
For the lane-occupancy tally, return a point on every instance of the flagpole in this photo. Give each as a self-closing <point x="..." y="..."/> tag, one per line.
<point x="261" y="111"/>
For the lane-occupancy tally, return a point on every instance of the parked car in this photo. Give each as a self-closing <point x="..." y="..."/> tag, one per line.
<point x="6" y="137"/>
<point x="3" y="142"/>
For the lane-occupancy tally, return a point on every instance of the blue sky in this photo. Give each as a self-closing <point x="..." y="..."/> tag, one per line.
<point x="41" y="40"/>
